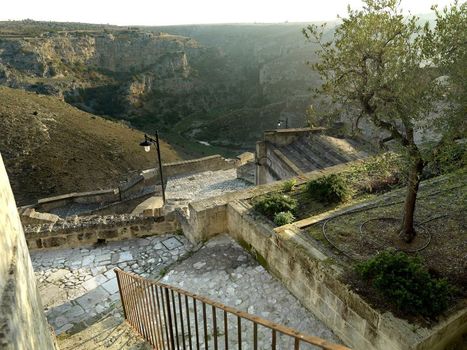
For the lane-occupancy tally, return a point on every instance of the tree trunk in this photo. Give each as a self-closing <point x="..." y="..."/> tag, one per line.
<point x="407" y="231"/>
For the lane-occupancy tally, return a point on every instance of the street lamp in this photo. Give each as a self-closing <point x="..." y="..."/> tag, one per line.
<point x="281" y="121"/>
<point x="148" y="141"/>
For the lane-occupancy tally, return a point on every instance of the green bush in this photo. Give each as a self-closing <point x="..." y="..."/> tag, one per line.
<point x="288" y="185"/>
<point x="284" y="218"/>
<point x="330" y="189"/>
<point x="274" y="203"/>
<point x="404" y="281"/>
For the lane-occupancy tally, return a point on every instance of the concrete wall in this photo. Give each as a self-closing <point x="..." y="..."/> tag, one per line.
<point x="212" y="163"/>
<point x="89" y="230"/>
<point x="23" y="325"/>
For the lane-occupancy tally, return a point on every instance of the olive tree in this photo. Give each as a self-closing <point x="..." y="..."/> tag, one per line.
<point x="379" y="65"/>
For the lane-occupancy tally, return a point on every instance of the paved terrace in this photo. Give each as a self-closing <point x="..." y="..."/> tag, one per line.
<point x="204" y="185"/>
<point x="78" y="285"/>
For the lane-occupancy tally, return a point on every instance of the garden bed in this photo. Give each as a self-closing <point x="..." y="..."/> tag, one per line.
<point x="365" y="181"/>
<point x="359" y="234"/>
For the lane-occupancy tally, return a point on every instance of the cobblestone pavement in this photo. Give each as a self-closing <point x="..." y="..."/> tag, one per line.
<point x="78" y="285"/>
<point x="204" y="185"/>
<point x="224" y="272"/>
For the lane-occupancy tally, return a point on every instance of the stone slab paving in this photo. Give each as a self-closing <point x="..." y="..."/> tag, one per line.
<point x="78" y="285"/>
<point x="224" y="272"/>
<point x="204" y="185"/>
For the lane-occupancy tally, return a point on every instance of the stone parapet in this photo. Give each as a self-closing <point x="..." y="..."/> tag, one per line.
<point x="78" y="231"/>
<point x="210" y="163"/>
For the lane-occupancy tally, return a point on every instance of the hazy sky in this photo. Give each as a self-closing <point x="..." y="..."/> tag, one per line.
<point x="166" y="12"/>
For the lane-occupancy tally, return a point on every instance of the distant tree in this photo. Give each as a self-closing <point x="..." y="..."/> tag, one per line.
<point x="381" y="66"/>
<point x="446" y="45"/>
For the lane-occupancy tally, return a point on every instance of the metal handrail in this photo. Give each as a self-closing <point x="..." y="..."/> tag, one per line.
<point x="150" y="307"/>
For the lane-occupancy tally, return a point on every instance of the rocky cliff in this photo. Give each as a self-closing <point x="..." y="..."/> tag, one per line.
<point x="221" y="84"/>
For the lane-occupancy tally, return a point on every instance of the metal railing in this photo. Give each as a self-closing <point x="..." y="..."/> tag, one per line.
<point x="170" y="318"/>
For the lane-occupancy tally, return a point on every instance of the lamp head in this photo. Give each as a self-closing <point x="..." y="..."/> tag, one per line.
<point x="146" y="144"/>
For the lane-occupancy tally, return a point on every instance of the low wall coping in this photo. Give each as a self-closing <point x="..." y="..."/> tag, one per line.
<point x="133" y="181"/>
<point x="77" y="194"/>
<point x="266" y="188"/>
<point x="293" y="131"/>
<point x="197" y="160"/>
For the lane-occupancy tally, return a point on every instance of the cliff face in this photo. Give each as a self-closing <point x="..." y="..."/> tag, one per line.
<point x="54" y="55"/>
<point x="198" y="83"/>
<point x="140" y="51"/>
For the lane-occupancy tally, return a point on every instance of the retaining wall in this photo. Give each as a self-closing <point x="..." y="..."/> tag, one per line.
<point x="93" y="229"/>
<point x="138" y="185"/>
<point x="311" y="276"/>
<point x="212" y="163"/>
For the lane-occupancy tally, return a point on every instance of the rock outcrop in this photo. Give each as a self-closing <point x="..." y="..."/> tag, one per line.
<point x="204" y="83"/>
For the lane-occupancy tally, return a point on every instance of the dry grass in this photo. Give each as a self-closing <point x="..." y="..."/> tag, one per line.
<point x="439" y="215"/>
<point x="52" y="148"/>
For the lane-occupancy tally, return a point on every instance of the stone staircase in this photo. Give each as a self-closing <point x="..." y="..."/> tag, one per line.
<point x="315" y="152"/>
<point x="110" y="333"/>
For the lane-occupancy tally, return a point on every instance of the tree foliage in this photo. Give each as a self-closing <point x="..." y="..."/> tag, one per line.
<point x="388" y="69"/>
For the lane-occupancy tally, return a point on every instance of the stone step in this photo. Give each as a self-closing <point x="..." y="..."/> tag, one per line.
<point x="111" y="333"/>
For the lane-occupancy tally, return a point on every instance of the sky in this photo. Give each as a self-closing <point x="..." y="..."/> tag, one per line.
<point x="171" y="12"/>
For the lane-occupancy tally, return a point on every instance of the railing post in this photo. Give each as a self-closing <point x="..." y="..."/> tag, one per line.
<point x="169" y="319"/>
<point x="121" y="294"/>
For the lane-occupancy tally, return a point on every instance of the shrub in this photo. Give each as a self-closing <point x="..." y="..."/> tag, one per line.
<point x="330" y="189"/>
<point x="275" y="203"/>
<point x="404" y="281"/>
<point x="288" y="185"/>
<point x="284" y="218"/>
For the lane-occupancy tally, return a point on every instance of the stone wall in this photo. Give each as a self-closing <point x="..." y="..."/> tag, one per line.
<point x="100" y="196"/>
<point x="307" y="272"/>
<point x="212" y="163"/>
<point x="246" y="172"/>
<point x="86" y="230"/>
<point x="138" y="185"/>
<point x="22" y="321"/>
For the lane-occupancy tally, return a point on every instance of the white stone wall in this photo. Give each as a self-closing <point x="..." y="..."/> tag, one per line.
<point x="22" y="321"/>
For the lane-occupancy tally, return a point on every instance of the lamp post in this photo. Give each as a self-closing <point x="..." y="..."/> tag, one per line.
<point x="148" y="141"/>
<point x="281" y="121"/>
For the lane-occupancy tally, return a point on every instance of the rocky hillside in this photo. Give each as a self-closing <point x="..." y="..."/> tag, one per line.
<point x="52" y="148"/>
<point x="221" y="84"/>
